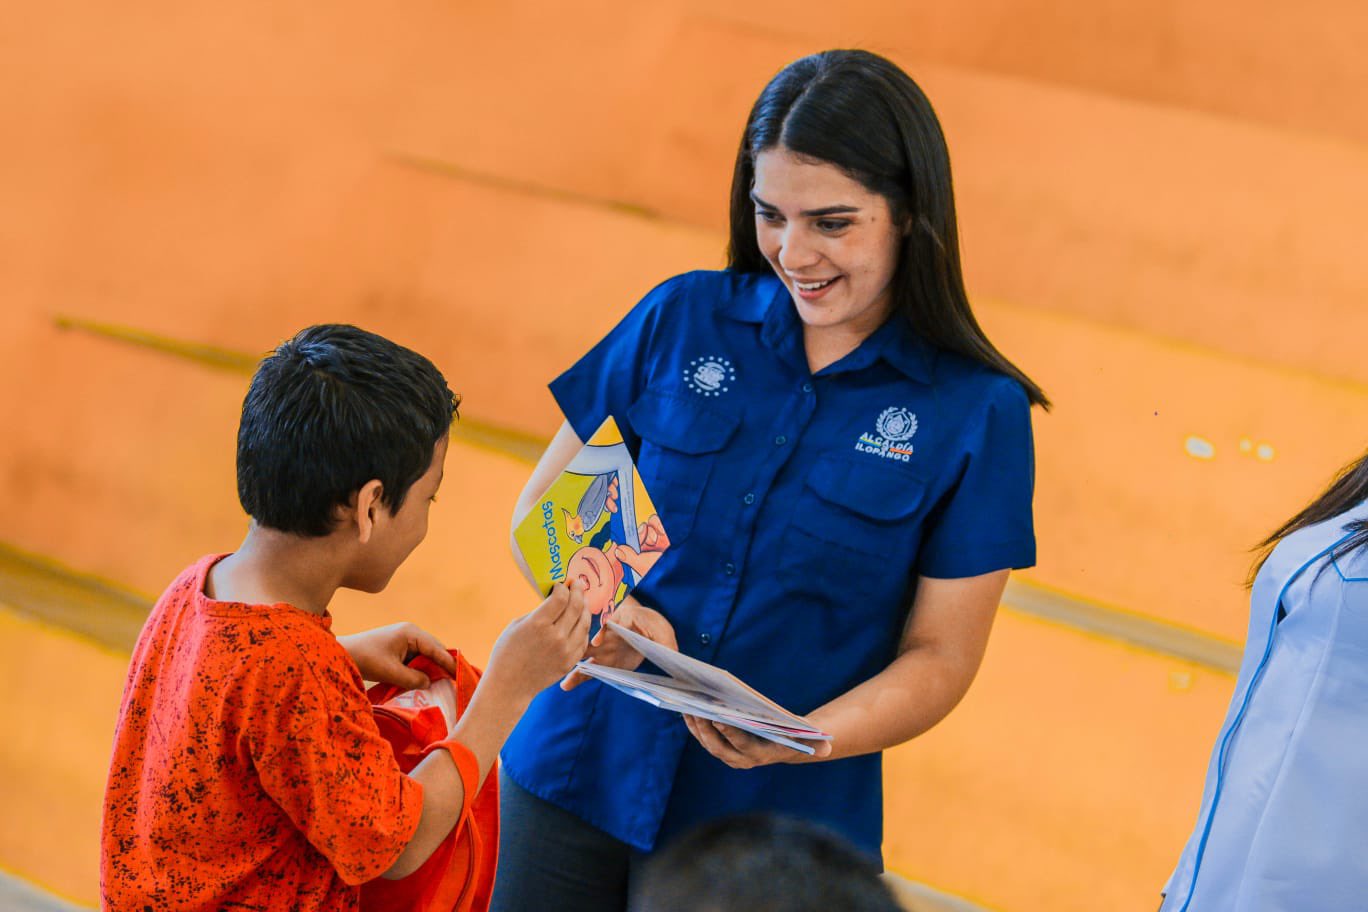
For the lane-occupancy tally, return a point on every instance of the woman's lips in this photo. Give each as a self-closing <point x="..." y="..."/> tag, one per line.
<point x="808" y="292"/>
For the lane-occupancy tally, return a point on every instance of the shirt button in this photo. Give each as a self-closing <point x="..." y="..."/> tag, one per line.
<point x="780" y="440"/>
<point x="749" y="499"/>
<point x="807" y="387"/>
<point x="704" y="638"/>
<point x="729" y="569"/>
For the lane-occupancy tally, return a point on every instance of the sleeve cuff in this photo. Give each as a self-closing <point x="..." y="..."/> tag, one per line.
<point x="467" y="767"/>
<point x="980" y="558"/>
<point x="570" y="397"/>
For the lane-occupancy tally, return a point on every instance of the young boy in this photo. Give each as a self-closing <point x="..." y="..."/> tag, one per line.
<point x="248" y="772"/>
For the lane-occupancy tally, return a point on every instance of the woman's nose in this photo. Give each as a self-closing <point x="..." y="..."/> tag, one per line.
<point x="795" y="252"/>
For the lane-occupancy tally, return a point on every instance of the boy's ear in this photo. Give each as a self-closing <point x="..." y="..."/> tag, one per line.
<point x="369" y="503"/>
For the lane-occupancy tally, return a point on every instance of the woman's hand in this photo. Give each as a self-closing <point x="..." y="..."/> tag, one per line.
<point x="380" y="654"/>
<point x="742" y="750"/>
<point x="607" y="648"/>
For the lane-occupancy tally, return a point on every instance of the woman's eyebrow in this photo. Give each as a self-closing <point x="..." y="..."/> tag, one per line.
<point x="811" y="213"/>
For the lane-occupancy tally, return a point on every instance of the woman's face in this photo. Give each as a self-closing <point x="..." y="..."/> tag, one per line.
<point x="829" y="239"/>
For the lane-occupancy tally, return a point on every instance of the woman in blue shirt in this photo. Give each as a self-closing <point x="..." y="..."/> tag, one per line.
<point x="1283" y="824"/>
<point x="843" y="465"/>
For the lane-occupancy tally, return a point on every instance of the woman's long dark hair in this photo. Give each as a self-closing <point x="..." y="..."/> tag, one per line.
<point x="867" y="117"/>
<point x="1348" y="490"/>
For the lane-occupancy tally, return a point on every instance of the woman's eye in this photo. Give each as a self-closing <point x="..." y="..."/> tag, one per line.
<point x="830" y="226"/>
<point x="769" y="218"/>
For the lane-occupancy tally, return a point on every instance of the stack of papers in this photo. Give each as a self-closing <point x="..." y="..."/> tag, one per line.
<point x="696" y="688"/>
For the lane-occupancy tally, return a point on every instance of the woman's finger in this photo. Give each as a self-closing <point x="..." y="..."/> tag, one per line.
<point x="574" y="679"/>
<point x="740" y="741"/>
<point x="714" y="744"/>
<point x="660" y="631"/>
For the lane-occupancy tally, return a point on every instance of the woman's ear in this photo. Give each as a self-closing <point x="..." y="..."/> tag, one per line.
<point x="369" y="503"/>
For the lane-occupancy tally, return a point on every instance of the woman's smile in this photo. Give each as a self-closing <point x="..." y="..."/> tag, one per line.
<point x="813" y="290"/>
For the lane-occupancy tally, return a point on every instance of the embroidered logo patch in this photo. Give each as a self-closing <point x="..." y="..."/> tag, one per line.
<point x="710" y="376"/>
<point x="894" y="427"/>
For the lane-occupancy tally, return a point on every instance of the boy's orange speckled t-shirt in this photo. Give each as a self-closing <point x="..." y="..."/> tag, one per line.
<point x="248" y="772"/>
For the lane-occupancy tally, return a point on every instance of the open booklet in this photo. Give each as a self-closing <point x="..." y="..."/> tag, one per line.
<point x="695" y="688"/>
<point x="596" y="524"/>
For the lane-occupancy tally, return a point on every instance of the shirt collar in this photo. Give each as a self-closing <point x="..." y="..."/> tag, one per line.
<point x="756" y="305"/>
<point x="906" y="350"/>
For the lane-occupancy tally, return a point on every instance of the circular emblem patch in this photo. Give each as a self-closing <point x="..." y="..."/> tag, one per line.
<point x="710" y="376"/>
<point x="896" y="424"/>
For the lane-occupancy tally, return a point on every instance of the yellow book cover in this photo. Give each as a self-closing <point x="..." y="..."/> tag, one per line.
<point x="596" y="523"/>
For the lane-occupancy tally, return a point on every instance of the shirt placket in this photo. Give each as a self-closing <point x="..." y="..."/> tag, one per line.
<point x="791" y="419"/>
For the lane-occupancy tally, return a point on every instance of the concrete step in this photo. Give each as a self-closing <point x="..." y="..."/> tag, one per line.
<point x="18" y="895"/>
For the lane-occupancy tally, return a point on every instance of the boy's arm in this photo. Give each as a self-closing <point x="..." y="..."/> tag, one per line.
<point x="531" y="654"/>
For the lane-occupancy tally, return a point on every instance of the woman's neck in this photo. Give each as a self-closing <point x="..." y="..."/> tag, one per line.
<point x="825" y="345"/>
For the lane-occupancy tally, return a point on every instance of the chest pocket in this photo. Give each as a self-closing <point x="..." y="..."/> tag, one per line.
<point x="853" y="527"/>
<point x="680" y="440"/>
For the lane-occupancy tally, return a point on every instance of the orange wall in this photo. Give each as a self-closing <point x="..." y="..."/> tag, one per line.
<point x="1162" y="216"/>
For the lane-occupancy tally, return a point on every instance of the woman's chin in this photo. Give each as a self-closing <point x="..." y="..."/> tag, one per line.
<point x="818" y="315"/>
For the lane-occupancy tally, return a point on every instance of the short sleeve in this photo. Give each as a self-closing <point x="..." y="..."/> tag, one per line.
<point x="610" y="377"/>
<point x="986" y="522"/>
<point x="322" y="759"/>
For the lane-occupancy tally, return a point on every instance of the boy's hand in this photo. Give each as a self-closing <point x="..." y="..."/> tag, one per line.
<point x="607" y="648"/>
<point x="380" y="654"/>
<point x="541" y="646"/>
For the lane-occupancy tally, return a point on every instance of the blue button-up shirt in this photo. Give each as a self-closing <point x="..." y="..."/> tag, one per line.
<point x="800" y="508"/>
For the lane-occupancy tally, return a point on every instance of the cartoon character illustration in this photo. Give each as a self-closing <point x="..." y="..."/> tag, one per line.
<point x="600" y="495"/>
<point x="589" y="524"/>
<point x="604" y="569"/>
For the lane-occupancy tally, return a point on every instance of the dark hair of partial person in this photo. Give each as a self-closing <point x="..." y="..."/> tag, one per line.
<point x="1348" y="489"/>
<point x="863" y="114"/>
<point x="328" y="411"/>
<point x="758" y="861"/>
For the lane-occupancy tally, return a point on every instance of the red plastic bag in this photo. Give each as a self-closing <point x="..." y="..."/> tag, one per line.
<point x="459" y="877"/>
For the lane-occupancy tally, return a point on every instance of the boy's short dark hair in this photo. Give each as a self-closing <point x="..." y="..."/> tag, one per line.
<point x="758" y="861"/>
<point x="326" y="412"/>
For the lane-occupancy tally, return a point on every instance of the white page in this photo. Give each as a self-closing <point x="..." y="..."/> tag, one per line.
<point x="716" y="681"/>
<point x="668" y="693"/>
<point x="658" y="695"/>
